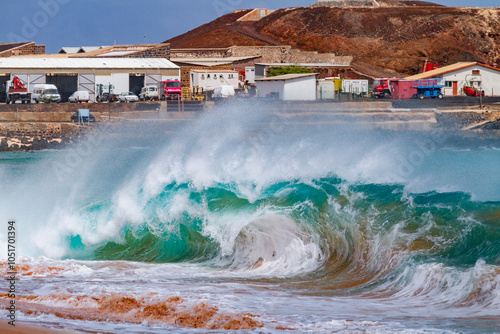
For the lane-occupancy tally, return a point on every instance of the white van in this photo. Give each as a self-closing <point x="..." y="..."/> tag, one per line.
<point x="223" y="92"/>
<point x="149" y="93"/>
<point x="45" y="93"/>
<point x="79" y="96"/>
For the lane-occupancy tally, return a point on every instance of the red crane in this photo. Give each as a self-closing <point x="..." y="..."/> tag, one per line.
<point x="17" y="84"/>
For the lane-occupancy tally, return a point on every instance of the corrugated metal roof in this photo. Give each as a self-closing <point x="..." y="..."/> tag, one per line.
<point x="212" y="61"/>
<point x="69" y="50"/>
<point x="443" y="70"/>
<point x="287" y="77"/>
<point x="91" y="48"/>
<point x="89" y="63"/>
<point x="116" y="53"/>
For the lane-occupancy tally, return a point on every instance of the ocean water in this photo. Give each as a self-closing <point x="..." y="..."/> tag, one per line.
<point x="256" y="221"/>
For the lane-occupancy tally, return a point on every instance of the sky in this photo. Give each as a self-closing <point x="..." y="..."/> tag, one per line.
<point x="58" y="23"/>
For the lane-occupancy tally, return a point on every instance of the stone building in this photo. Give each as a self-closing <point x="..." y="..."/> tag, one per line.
<point x="128" y="51"/>
<point x="265" y="54"/>
<point x="21" y="49"/>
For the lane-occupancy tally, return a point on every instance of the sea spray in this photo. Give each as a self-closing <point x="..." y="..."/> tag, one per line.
<point x="321" y="211"/>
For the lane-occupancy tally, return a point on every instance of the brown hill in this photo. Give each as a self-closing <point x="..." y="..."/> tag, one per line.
<point x="395" y="37"/>
<point x="219" y="33"/>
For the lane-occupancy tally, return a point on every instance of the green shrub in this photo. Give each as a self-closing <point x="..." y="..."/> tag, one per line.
<point x="275" y="70"/>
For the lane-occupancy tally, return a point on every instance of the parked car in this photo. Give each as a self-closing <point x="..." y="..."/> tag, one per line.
<point x="149" y="93"/>
<point x="79" y="96"/>
<point x="74" y="118"/>
<point x="128" y="97"/>
<point x="106" y="97"/>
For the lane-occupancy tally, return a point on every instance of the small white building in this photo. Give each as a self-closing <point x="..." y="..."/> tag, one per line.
<point x="288" y="87"/>
<point x="250" y="74"/>
<point x="458" y="75"/>
<point x="209" y="79"/>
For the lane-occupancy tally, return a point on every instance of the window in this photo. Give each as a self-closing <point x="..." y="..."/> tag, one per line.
<point x="208" y="76"/>
<point x="476" y="72"/>
<point x="448" y="83"/>
<point x="175" y="84"/>
<point x="203" y="77"/>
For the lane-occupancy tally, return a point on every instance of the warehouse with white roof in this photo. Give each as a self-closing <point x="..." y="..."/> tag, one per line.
<point x="89" y="74"/>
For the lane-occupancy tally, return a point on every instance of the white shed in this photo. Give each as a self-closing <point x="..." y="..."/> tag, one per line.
<point x="209" y="79"/>
<point x="458" y="75"/>
<point x="288" y="87"/>
<point x="250" y="74"/>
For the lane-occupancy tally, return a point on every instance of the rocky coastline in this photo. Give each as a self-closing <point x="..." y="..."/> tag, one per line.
<point x="28" y="136"/>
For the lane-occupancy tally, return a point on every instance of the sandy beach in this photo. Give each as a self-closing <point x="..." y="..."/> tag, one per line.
<point x="5" y="328"/>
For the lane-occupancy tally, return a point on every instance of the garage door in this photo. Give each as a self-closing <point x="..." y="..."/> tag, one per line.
<point x="36" y="79"/>
<point x="152" y="79"/>
<point x="86" y="82"/>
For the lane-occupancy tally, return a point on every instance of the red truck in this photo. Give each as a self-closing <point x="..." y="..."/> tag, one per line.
<point x="171" y="89"/>
<point x="382" y="87"/>
<point x="16" y="90"/>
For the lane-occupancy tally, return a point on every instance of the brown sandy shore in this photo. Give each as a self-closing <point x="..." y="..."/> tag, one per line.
<point x="5" y="328"/>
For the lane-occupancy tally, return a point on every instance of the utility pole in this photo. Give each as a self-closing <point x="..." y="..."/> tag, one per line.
<point x="480" y="92"/>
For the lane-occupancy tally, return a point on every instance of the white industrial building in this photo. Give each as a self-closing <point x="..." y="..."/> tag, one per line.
<point x="86" y="74"/>
<point x="288" y="87"/>
<point x="209" y="79"/>
<point x="458" y="75"/>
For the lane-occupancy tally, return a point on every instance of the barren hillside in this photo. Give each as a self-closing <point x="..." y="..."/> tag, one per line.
<point x="396" y="37"/>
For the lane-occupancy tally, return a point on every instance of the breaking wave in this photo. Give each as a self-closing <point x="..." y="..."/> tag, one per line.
<point x="346" y="211"/>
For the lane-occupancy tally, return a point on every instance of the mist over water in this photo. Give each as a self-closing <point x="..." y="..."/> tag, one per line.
<point x="370" y="218"/>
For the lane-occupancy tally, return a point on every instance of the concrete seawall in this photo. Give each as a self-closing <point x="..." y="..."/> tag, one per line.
<point x="63" y="112"/>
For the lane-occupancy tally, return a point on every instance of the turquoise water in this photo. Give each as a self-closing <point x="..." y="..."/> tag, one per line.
<point x="323" y="228"/>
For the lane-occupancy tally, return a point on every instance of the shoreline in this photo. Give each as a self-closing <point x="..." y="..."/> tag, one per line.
<point x="20" y="328"/>
<point x="32" y="135"/>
